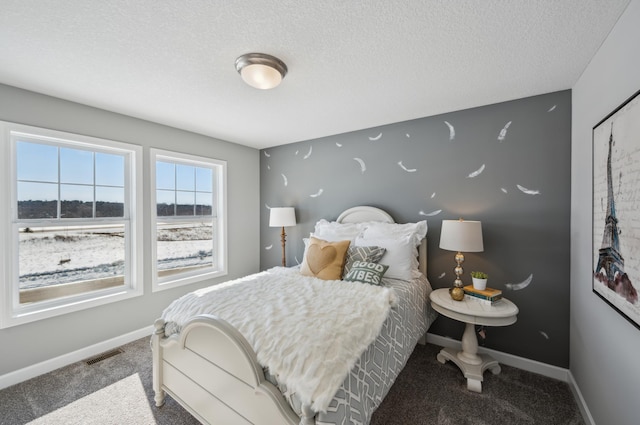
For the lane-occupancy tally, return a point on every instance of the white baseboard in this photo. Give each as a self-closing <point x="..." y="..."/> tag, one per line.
<point x="528" y="365"/>
<point x="47" y="366"/>
<point x="582" y="404"/>
<point x="508" y="359"/>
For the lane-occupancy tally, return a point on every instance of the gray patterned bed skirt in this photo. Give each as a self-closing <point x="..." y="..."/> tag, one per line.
<point x="378" y="367"/>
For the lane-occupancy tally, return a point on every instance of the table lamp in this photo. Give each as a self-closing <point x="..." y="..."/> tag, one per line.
<point x="460" y="235"/>
<point x="282" y="217"/>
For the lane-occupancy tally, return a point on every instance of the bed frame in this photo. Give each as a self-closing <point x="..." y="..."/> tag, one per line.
<point x="212" y="371"/>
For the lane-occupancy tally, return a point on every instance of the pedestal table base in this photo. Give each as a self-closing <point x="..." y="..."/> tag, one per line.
<point x="473" y="372"/>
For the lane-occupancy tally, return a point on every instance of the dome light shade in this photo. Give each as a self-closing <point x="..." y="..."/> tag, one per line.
<point x="260" y="70"/>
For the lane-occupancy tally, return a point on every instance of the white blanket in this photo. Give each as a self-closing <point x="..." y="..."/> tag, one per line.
<point x="308" y="332"/>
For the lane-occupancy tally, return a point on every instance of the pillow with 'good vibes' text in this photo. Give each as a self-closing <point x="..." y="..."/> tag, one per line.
<point x="368" y="254"/>
<point x="365" y="272"/>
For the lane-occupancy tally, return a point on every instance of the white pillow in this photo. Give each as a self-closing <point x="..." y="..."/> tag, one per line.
<point x="417" y="231"/>
<point x="333" y="231"/>
<point x="401" y="254"/>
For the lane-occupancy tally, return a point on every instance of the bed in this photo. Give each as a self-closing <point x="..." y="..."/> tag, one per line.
<point x="213" y="370"/>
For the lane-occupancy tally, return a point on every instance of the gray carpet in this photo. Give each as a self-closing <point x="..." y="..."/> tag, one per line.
<point x="117" y="390"/>
<point x="428" y="392"/>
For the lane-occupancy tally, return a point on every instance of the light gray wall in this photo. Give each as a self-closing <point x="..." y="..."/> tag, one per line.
<point x="28" y="344"/>
<point x="525" y="234"/>
<point x="604" y="346"/>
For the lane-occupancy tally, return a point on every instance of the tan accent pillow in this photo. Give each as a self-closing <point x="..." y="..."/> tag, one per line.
<point x="325" y="260"/>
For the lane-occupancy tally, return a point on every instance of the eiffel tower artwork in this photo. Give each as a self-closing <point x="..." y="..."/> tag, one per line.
<point x="610" y="268"/>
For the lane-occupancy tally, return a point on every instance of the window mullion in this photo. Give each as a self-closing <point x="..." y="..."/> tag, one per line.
<point x="175" y="190"/>
<point x="59" y="201"/>
<point x="94" y="185"/>
<point x="194" y="191"/>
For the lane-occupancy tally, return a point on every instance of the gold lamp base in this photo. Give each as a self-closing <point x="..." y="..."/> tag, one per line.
<point x="457" y="294"/>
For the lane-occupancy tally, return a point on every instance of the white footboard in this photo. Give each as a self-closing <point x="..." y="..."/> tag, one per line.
<point x="213" y="372"/>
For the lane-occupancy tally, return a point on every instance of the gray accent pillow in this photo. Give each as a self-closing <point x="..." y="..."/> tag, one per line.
<point x="368" y="254"/>
<point x="370" y="273"/>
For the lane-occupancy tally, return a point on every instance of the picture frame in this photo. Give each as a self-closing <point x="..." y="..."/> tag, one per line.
<point x="616" y="207"/>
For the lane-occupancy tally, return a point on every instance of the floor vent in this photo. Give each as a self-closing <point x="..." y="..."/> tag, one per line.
<point x="103" y="356"/>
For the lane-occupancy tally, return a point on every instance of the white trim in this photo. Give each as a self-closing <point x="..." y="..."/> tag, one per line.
<point x="582" y="404"/>
<point x="219" y="168"/>
<point x="529" y="365"/>
<point x="6" y="301"/>
<point x="50" y="365"/>
<point x="81" y="302"/>
<point x="47" y="366"/>
<point x="11" y="312"/>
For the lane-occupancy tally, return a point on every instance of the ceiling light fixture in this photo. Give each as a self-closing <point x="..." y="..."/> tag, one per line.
<point x="260" y="70"/>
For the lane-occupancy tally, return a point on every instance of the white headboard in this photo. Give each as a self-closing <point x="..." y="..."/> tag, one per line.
<point x="364" y="213"/>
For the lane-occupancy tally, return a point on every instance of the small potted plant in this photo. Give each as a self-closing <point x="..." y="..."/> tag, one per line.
<point x="479" y="280"/>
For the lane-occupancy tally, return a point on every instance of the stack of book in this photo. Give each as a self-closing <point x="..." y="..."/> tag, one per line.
<point x="488" y="296"/>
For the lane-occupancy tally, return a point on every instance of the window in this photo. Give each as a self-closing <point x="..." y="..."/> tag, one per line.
<point x="72" y="222"/>
<point x="188" y="199"/>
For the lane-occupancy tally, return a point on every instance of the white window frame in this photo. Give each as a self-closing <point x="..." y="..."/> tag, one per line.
<point x="11" y="312"/>
<point x="219" y="168"/>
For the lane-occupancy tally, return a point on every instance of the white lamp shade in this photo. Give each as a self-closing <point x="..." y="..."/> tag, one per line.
<point x="282" y="217"/>
<point x="461" y="235"/>
<point x="261" y="76"/>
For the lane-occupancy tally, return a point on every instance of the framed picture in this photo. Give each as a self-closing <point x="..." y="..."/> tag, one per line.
<point x="616" y="209"/>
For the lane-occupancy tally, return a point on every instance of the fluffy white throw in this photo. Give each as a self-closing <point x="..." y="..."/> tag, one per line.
<point x="308" y="332"/>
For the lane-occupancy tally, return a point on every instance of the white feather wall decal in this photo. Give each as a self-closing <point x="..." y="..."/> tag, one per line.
<point x="503" y="132"/>
<point x="442" y="275"/>
<point x="408" y="135"/>
<point x="476" y="173"/>
<point x="408" y="170"/>
<point x="266" y="154"/>
<point x="318" y="193"/>
<point x="376" y="137"/>
<point x="521" y="285"/>
<point x="552" y="108"/>
<point x="544" y="334"/>
<point x="267" y="206"/>
<point x="339" y="144"/>
<point x="296" y="153"/>
<point x="452" y="131"/>
<point x="268" y="247"/>
<point x="504" y="190"/>
<point x="284" y="178"/>
<point x="363" y="166"/>
<point x="433" y="195"/>
<point x="528" y="191"/>
<point x="431" y="214"/>
<point x="308" y="153"/>
<point x="268" y="167"/>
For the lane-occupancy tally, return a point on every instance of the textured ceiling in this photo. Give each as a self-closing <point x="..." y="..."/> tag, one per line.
<point x="352" y="65"/>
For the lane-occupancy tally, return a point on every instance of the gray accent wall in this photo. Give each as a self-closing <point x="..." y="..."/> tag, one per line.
<point x="32" y="343"/>
<point x="506" y="164"/>
<point x="604" y="345"/>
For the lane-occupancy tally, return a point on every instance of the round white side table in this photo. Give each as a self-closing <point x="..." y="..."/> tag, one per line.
<point x="472" y="313"/>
